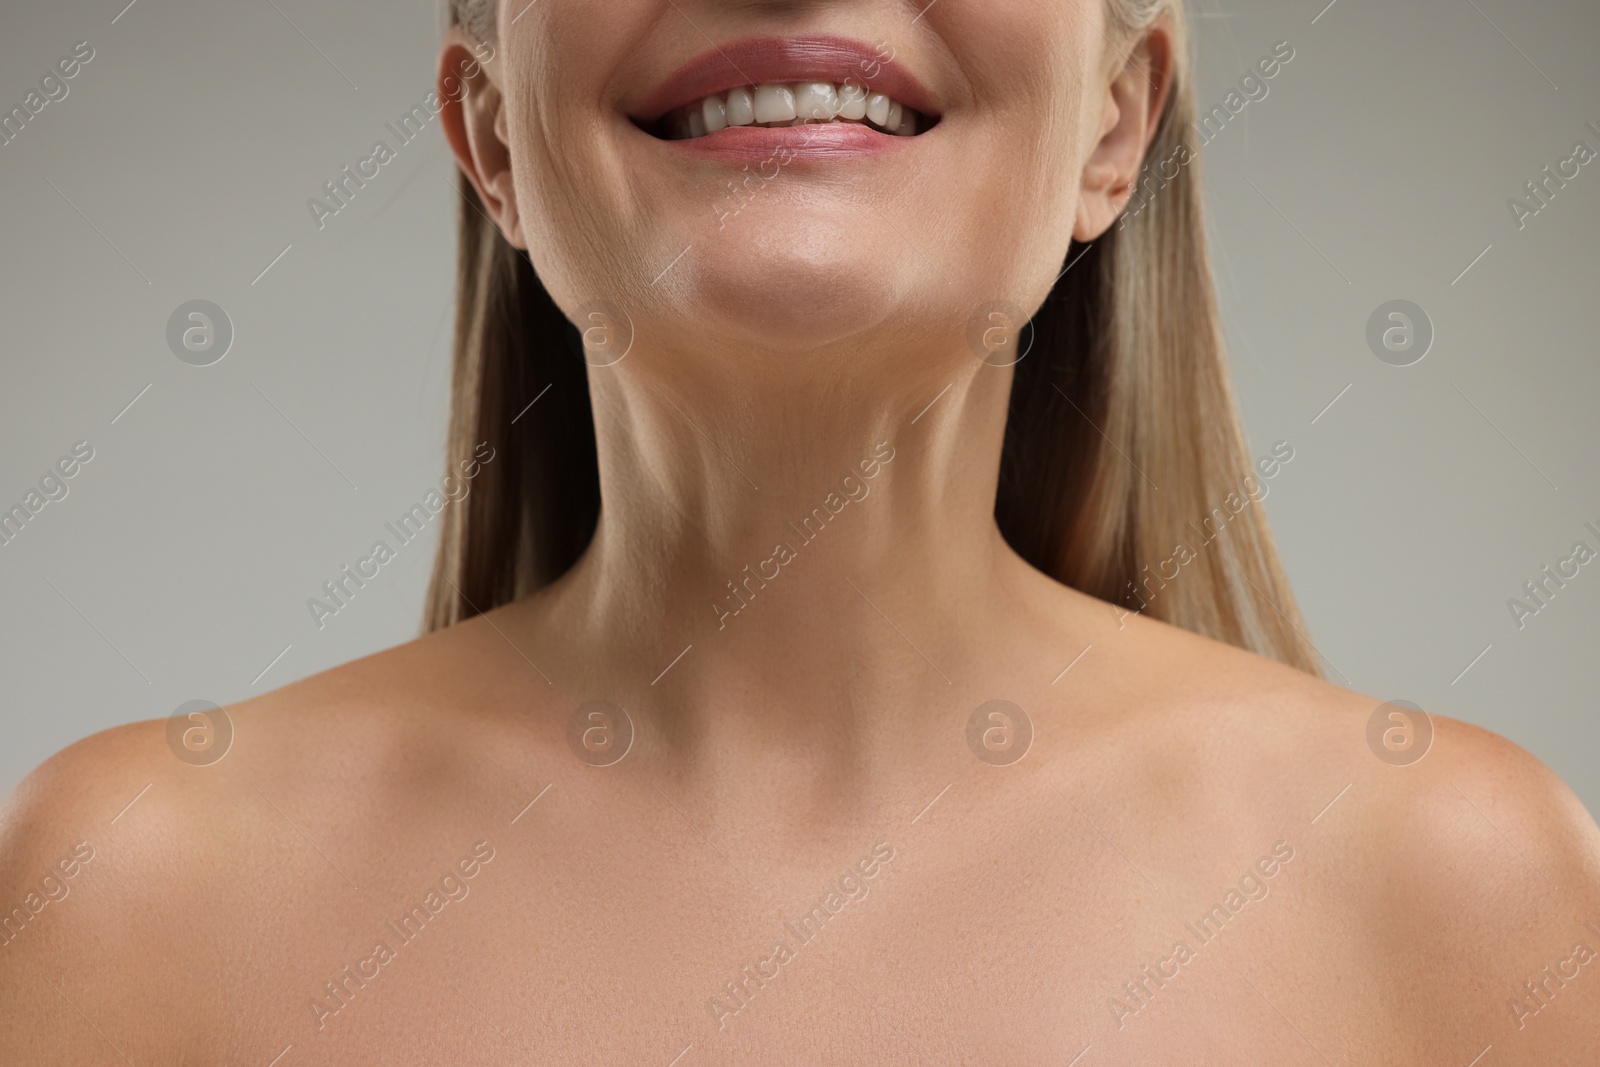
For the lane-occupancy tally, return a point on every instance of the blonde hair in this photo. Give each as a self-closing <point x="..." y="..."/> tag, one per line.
<point x="1122" y="438"/>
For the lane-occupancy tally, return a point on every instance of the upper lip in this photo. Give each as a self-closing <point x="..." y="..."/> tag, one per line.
<point x="769" y="60"/>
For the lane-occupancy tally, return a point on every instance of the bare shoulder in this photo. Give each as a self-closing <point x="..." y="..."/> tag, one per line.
<point x="1477" y="854"/>
<point x="154" y="848"/>
<point x="76" y="866"/>
<point x="407" y="717"/>
<point x="1457" y="873"/>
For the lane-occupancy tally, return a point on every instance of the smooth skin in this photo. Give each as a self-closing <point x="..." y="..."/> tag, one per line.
<point x="781" y="753"/>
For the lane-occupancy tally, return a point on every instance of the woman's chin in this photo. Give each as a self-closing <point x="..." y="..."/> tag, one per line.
<point x="789" y="300"/>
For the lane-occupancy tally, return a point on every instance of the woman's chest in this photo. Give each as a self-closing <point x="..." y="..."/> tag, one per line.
<point x="677" y="951"/>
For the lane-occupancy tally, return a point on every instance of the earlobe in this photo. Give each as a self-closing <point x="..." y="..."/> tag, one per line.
<point x="475" y="126"/>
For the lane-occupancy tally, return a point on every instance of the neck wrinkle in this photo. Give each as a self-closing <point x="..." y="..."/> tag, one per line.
<point x="811" y="542"/>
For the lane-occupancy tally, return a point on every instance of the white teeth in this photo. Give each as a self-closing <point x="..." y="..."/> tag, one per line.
<point x="815" y="100"/>
<point x="741" y="109"/>
<point x="878" y="109"/>
<point x="793" y="105"/>
<point x="853" y="103"/>
<point x="714" y="112"/>
<point x="774" y="103"/>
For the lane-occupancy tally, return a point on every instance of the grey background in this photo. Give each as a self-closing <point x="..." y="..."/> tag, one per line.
<point x="179" y="165"/>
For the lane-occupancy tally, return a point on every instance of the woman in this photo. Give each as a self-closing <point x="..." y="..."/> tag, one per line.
<point x="820" y="669"/>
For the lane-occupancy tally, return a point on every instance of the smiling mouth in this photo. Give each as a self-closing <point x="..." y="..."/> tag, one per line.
<point x="772" y="105"/>
<point x="736" y="99"/>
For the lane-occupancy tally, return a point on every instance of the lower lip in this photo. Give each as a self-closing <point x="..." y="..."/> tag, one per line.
<point x="785" y="144"/>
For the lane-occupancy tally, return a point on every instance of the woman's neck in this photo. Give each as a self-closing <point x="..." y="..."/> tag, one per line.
<point x="812" y="541"/>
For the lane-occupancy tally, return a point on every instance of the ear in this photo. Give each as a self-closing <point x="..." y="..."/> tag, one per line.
<point x="1131" y="111"/>
<point x="475" y="125"/>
